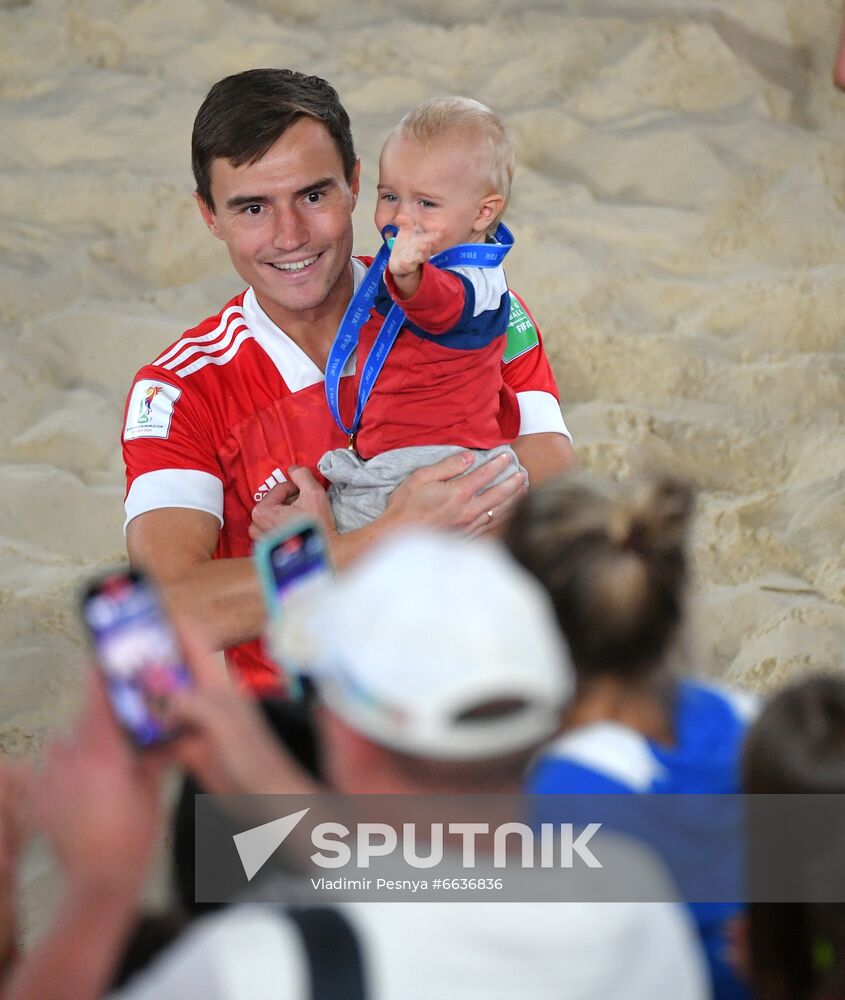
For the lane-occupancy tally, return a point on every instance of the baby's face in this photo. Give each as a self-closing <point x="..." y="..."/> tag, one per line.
<point x="442" y="188"/>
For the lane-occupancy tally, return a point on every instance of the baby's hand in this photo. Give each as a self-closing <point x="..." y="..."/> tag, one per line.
<point x="411" y="249"/>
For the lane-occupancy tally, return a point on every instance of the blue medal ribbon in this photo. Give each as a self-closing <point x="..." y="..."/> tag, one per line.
<point x="346" y="340"/>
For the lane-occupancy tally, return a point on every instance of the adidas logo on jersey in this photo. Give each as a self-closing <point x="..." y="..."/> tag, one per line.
<point x="275" y="477"/>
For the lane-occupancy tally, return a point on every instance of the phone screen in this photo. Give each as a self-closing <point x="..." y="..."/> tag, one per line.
<point x="137" y="651"/>
<point x="296" y="562"/>
<point x="290" y="562"/>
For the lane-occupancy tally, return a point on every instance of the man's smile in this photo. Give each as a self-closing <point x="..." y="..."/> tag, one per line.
<point x="295" y="265"/>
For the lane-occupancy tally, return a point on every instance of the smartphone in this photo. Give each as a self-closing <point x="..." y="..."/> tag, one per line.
<point x="290" y="562"/>
<point x="137" y="652"/>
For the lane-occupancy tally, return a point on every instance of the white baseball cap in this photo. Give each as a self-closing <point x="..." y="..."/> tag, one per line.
<point x="421" y="633"/>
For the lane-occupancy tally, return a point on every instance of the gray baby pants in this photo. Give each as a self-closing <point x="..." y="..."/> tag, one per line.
<point x="360" y="487"/>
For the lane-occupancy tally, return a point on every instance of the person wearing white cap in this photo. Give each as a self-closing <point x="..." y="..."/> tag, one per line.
<point x="440" y="669"/>
<point x="435" y="649"/>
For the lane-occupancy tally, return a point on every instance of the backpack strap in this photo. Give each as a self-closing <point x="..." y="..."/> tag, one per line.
<point x="333" y="953"/>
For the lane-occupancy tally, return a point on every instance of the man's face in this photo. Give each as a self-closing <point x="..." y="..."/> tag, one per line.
<point x="286" y="221"/>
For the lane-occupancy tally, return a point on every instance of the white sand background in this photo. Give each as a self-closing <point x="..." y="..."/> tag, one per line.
<point x="680" y="238"/>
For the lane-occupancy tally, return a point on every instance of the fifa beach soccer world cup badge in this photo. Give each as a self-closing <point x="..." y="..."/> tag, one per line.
<point x="150" y="410"/>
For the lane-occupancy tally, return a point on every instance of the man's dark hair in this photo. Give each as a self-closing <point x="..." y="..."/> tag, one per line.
<point x="245" y="114"/>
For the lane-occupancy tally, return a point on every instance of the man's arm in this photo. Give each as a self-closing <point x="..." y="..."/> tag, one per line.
<point x="226" y="743"/>
<point x="428" y="497"/>
<point x="544" y="455"/>
<point x="431" y="497"/>
<point x="76" y="956"/>
<point x="175" y="546"/>
<point x="97" y="802"/>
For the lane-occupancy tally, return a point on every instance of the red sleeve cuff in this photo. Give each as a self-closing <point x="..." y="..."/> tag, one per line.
<point x="437" y="305"/>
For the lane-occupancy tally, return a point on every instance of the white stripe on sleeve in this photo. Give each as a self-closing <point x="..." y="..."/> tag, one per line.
<point x="175" y="488"/>
<point x="539" y="413"/>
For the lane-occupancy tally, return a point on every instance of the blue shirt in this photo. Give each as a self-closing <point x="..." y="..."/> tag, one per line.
<point x="610" y="758"/>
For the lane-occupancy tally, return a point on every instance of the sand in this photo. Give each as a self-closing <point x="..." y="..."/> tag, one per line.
<point x="678" y="210"/>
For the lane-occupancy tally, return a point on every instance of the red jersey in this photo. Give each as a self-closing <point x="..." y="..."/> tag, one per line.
<point x="217" y="419"/>
<point x="442" y="382"/>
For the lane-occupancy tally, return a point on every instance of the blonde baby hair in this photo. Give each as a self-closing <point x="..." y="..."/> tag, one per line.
<point x="439" y="116"/>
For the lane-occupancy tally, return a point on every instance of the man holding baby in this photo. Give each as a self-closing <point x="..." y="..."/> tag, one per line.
<point x="227" y="424"/>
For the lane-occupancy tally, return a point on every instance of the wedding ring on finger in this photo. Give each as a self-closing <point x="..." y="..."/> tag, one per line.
<point x="489" y="515"/>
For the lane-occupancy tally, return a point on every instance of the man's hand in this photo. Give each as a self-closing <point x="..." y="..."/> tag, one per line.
<point x="411" y="249"/>
<point x="96" y="800"/>
<point x="301" y="496"/>
<point x="226" y="743"/>
<point x="433" y="496"/>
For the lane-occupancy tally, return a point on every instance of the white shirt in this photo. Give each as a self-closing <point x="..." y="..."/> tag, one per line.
<point x="421" y="951"/>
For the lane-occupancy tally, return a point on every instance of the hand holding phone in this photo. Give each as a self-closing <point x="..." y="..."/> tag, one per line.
<point x="137" y="651"/>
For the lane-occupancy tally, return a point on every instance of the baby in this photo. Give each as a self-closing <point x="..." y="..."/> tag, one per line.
<point x="444" y="180"/>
